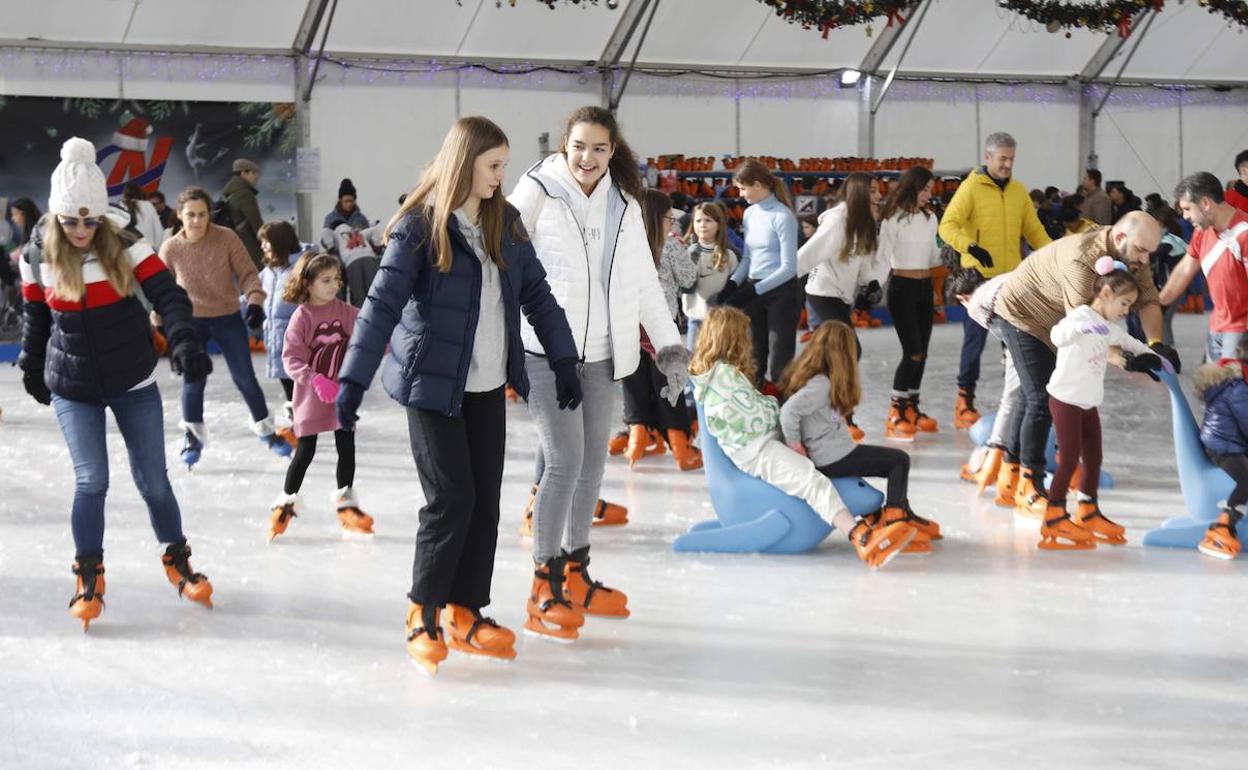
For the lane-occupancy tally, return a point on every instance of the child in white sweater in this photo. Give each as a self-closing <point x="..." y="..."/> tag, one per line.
<point x="1083" y="339"/>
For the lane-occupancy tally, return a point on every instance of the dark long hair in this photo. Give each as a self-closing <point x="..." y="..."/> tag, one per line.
<point x="860" y="233"/>
<point x="623" y="163"/>
<point x="33" y="215"/>
<point x="753" y="171"/>
<point x="904" y="197"/>
<point x="654" y="207"/>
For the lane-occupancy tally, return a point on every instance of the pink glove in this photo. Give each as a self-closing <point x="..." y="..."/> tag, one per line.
<point x="326" y="389"/>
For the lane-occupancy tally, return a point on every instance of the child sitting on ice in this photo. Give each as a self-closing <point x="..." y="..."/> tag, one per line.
<point x="1224" y="433"/>
<point x="746" y="424"/>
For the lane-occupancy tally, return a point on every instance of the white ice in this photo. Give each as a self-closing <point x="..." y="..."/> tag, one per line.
<point x="986" y="654"/>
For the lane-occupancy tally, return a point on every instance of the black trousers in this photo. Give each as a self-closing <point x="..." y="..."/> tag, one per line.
<point x="773" y="327"/>
<point x="305" y="450"/>
<point x="460" y="464"/>
<point x="1034" y="362"/>
<point x="910" y="302"/>
<point x="288" y="387"/>
<point x="644" y="406"/>
<point x="1236" y="466"/>
<point x="833" y="309"/>
<point x="876" y="462"/>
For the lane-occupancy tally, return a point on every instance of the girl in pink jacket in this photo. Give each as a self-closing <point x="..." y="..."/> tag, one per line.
<point x="315" y="344"/>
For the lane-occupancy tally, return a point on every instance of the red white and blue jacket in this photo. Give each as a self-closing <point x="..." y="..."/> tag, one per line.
<point x="100" y="345"/>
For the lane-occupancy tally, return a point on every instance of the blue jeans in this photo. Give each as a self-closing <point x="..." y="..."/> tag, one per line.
<point x="230" y="334"/>
<point x="1224" y="345"/>
<point x="1034" y="361"/>
<point x="974" y="337"/>
<point x="140" y="417"/>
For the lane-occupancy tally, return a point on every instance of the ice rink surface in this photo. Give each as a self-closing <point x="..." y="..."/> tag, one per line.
<point x="986" y="654"/>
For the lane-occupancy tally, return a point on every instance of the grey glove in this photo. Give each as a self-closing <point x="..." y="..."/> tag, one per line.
<point x="673" y="362"/>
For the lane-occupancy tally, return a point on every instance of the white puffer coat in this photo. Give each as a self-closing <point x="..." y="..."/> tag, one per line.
<point x="634" y="297"/>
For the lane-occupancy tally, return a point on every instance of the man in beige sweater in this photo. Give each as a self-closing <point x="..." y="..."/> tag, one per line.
<point x="1037" y="296"/>
<point x="213" y="266"/>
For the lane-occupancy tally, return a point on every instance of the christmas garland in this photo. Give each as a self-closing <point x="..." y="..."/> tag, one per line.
<point x="826" y="16"/>
<point x="1115" y="15"/>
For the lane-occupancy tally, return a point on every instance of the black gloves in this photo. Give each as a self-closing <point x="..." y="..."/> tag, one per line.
<point x="872" y="293"/>
<point x="567" y="384"/>
<point x="254" y="316"/>
<point x="1145" y="363"/>
<point x="187" y="358"/>
<point x="1168" y="353"/>
<point x="347" y="405"/>
<point x="725" y="292"/>
<point x="980" y="253"/>
<point x="740" y="296"/>
<point x="8" y="276"/>
<point x="32" y="379"/>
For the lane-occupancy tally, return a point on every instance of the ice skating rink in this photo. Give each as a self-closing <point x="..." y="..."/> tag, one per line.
<point x="986" y="654"/>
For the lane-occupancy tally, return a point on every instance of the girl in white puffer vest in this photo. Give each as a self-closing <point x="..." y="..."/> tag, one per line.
<point x="580" y="208"/>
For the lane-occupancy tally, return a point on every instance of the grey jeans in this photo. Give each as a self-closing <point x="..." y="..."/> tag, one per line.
<point x="574" y="449"/>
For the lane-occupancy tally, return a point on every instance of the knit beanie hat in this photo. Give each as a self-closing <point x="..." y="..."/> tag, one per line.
<point x="78" y="188"/>
<point x="346" y="188"/>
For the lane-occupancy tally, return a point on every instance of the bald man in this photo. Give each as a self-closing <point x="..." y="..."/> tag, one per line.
<point x="1036" y="296"/>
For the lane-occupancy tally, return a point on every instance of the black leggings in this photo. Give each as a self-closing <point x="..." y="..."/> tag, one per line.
<point x="833" y="309"/>
<point x="305" y="450"/>
<point x="773" y="329"/>
<point x="1236" y="466"/>
<point x="288" y="387"/>
<point x="644" y="406"/>
<point x="910" y="303"/>
<point x="876" y="462"/>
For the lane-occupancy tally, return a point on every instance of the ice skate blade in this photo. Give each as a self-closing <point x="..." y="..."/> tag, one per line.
<point x="357" y="535"/>
<point x="894" y="553"/>
<point x="481" y="655"/>
<point x="1052" y="544"/>
<point x="551" y="637"/>
<point x="1109" y="539"/>
<point x="428" y="669"/>
<point x="1210" y="552"/>
<point x="1027" y="514"/>
<point x="600" y="523"/>
<point x="903" y="438"/>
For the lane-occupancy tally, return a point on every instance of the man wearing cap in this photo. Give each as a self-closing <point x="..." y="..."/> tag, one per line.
<point x="240" y="197"/>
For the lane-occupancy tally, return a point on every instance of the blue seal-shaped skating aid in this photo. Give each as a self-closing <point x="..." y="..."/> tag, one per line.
<point x="1204" y="484"/>
<point x="982" y="430"/>
<point x="754" y="517"/>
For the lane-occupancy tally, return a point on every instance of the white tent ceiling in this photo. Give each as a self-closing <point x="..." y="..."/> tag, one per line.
<point x="966" y="37"/>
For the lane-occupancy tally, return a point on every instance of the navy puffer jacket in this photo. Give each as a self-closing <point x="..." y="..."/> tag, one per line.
<point x="1225" y="429"/>
<point x="429" y="318"/>
<point x="101" y="345"/>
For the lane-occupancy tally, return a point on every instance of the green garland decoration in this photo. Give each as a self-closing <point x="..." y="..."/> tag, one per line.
<point x="825" y="15"/>
<point x="1112" y="16"/>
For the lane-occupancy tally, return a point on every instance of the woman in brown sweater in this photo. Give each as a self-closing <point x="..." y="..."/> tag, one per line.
<point x="213" y="266"/>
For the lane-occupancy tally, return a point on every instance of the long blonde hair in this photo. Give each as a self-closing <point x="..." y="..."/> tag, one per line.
<point x="66" y="259"/>
<point x="446" y="184"/>
<point x="832" y="352"/>
<point x="714" y="211"/>
<point x="724" y="336"/>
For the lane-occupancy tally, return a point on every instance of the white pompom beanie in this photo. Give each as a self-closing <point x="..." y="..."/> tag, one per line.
<point x="78" y="187"/>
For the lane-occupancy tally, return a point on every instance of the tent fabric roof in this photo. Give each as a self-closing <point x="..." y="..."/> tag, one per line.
<point x="957" y="37"/>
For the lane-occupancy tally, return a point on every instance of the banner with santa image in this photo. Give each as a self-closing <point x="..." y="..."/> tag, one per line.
<point x="159" y="145"/>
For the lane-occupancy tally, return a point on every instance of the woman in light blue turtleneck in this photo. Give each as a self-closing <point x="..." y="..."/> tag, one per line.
<point x="764" y="284"/>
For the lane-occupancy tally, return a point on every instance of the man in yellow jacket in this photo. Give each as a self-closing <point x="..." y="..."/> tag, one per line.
<point x="986" y="220"/>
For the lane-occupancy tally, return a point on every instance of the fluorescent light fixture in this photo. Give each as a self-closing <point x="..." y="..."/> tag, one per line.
<point x="850" y="77"/>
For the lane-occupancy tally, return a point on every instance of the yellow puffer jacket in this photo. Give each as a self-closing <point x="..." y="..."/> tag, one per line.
<point x="981" y="212"/>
